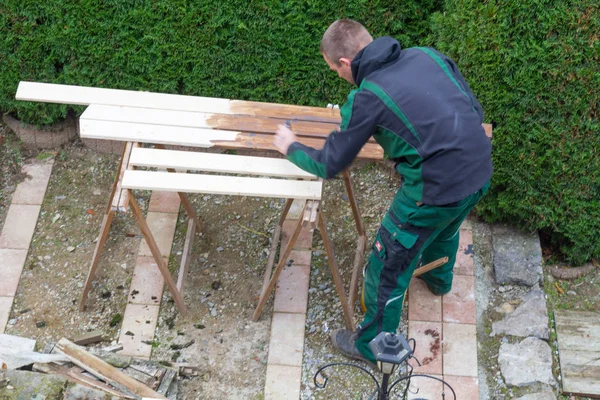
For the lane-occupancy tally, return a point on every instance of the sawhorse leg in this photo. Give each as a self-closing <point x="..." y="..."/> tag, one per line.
<point x="347" y="308"/>
<point x="158" y="257"/>
<point x="270" y="281"/>
<point x="109" y="214"/>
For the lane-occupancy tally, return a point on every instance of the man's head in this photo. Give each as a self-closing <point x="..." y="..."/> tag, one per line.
<point x="340" y="44"/>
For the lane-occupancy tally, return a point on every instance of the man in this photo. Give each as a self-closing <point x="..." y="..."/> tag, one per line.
<point x="419" y="108"/>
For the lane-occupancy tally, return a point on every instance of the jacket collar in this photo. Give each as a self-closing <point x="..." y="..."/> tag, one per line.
<point x="376" y="55"/>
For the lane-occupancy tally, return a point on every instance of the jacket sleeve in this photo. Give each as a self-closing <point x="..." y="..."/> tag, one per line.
<point x="462" y="81"/>
<point x="340" y="149"/>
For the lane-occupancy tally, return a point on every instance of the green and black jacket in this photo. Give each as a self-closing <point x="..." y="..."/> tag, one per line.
<point x="419" y="108"/>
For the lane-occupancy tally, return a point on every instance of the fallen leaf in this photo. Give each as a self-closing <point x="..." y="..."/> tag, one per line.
<point x="558" y="288"/>
<point x="90" y="211"/>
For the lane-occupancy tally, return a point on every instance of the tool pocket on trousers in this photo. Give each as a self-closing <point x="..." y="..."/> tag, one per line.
<point x="392" y="244"/>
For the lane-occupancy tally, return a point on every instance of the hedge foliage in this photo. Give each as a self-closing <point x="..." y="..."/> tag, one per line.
<point x="264" y="50"/>
<point x="535" y="66"/>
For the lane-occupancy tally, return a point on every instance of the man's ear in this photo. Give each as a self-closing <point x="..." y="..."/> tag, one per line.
<point x="345" y="62"/>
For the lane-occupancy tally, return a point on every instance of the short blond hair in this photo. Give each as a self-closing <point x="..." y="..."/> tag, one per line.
<point x="344" y="39"/>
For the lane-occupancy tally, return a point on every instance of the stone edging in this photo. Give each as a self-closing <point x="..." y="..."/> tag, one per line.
<point x="45" y="137"/>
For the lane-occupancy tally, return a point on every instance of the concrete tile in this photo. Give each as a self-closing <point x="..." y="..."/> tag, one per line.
<point x="466" y="225"/>
<point x="162" y="226"/>
<point x="466" y="387"/>
<point x="19" y="226"/>
<point x="282" y="382"/>
<point x="11" y="266"/>
<point x="139" y="320"/>
<point x="291" y="293"/>
<point x="33" y="188"/>
<point x="5" y="307"/>
<point x="300" y="257"/>
<point x="304" y="240"/>
<point x="422" y="304"/>
<point x="428" y="338"/>
<point x="147" y="282"/>
<point x="287" y="339"/>
<point x="460" y="349"/>
<point x="459" y="304"/>
<point x="430" y="389"/>
<point x="464" y="257"/>
<point x="296" y="210"/>
<point x="165" y="202"/>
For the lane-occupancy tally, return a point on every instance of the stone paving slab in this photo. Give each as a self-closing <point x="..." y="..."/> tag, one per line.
<point x="162" y="226"/>
<point x="11" y="266"/>
<point x="287" y="339"/>
<point x="428" y="337"/>
<point x="291" y="294"/>
<point x="465" y="265"/>
<point x="459" y="303"/>
<point x="33" y="188"/>
<point x="282" y="382"/>
<point x="304" y="240"/>
<point x="460" y="349"/>
<point x="425" y="388"/>
<point x="147" y="282"/>
<point x="19" y="226"/>
<point x="422" y="304"/>
<point x="465" y="387"/>
<point x="5" y="307"/>
<point x="139" y="320"/>
<point x="164" y="202"/>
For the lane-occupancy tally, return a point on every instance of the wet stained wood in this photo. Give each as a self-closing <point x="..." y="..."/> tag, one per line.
<point x="370" y="151"/>
<point x="578" y="337"/>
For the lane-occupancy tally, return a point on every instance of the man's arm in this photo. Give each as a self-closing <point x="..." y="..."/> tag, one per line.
<point x="341" y="147"/>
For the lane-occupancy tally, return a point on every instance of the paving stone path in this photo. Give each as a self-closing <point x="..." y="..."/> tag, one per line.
<point x="18" y="230"/>
<point x="444" y="330"/>
<point x="443" y="326"/>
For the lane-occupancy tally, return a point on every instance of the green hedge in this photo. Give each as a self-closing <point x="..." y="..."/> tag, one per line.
<point x="265" y="50"/>
<point x="535" y="66"/>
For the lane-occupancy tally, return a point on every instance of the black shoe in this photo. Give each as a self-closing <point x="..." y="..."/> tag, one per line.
<point x="433" y="289"/>
<point x="345" y="341"/>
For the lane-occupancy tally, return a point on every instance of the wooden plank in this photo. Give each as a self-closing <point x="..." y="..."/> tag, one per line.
<point x="88" y="338"/>
<point x="118" y="194"/>
<point x="68" y="94"/>
<point x="245" y="140"/>
<point x="218" y="184"/>
<point x="201" y="119"/>
<point x="578" y="338"/>
<point x="208" y="162"/>
<point x="103" y="370"/>
<point x="72" y="376"/>
<point x="157" y="134"/>
<point x="198" y="137"/>
<point x="187" y="252"/>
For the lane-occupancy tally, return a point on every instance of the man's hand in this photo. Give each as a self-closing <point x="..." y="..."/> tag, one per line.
<point x="284" y="137"/>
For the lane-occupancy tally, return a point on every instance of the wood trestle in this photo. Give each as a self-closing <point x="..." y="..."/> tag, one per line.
<point x="162" y="119"/>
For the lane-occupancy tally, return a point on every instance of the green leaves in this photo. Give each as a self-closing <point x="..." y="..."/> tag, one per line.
<point x="535" y="67"/>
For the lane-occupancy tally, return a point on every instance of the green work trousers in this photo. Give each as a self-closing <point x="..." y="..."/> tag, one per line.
<point x="409" y="235"/>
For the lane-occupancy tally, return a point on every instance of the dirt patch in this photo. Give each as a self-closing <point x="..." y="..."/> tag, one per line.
<point x="221" y="289"/>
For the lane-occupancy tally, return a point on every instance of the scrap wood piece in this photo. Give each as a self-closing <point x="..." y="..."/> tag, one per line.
<point x="149" y="380"/>
<point x="103" y="370"/>
<point x="166" y="382"/>
<point x="578" y="338"/>
<point x="89" y="338"/>
<point x="74" y="375"/>
<point x="187" y="369"/>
